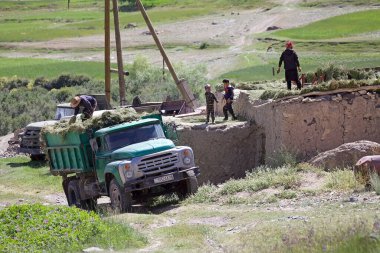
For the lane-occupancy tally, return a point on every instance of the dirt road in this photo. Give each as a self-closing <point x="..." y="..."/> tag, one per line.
<point x="4" y="142"/>
<point x="232" y="31"/>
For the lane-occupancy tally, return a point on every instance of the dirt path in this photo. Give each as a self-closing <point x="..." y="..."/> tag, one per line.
<point x="233" y="30"/>
<point x="4" y="142"/>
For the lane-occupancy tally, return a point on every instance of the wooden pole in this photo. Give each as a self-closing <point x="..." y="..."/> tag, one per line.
<point x="181" y="84"/>
<point x="119" y="53"/>
<point x="107" y="51"/>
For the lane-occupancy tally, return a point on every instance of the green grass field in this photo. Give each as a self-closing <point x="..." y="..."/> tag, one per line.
<point x="336" y="27"/>
<point x="324" y="3"/>
<point x="21" y="179"/>
<point x="45" y="20"/>
<point x="32" y="68"/>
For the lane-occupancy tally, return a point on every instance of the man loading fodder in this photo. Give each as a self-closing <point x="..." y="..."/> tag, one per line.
<point x="87" y="102"/>
<point x="291" y="64"/>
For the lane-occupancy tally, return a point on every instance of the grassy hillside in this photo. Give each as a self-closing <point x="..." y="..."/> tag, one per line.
<point x="45" y="20"/>
<point x="346" y="46"/>
<point x="336" y="27"/>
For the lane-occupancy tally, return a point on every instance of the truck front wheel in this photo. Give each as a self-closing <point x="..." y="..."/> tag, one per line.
<point x="120" y="200"/>
<point x="187" y="187"/>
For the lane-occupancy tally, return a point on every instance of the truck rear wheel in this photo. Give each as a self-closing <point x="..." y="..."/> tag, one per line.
<point x="73" y="194"/>
<point x="187" y="187"/>
<point x="40" y="157"/>
<point x="74" y="199"/>
<point x="120" y="200"/>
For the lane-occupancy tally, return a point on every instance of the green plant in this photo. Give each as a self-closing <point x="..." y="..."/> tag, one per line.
<point x="342" y="180"/>
<point x="375" y="182"/>
<point x="287" y="194"/>
<point x="204" y="45"/>
<point x="38" y="228"/>
<point x="282" y="157"/>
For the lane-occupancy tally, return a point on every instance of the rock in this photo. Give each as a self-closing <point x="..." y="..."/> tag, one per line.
<point x="93" y="249"/>
<point x="345" y="155"/>
<point x="131" y="25"/>
<point x="362" y="92"/>
<point x="214" y="23"/>
<point x="272" y="28"/>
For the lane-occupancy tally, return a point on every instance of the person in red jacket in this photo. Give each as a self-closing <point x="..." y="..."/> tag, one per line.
<point x="291" y="65"/>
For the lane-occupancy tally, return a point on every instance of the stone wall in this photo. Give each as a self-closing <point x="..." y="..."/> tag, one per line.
<point x="307" y="126"/>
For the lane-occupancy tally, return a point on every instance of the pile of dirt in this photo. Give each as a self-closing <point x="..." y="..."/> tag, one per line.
<point x="105" y="119"/>
<point x="345" y="155"/>
<point x="9" y="145"/>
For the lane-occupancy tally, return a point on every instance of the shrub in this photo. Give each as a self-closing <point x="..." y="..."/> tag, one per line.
<point x="375" y="182"/>
<point x="38" y="228"/>
<point x="204" y="45"/>
<point x="342" y="180"/>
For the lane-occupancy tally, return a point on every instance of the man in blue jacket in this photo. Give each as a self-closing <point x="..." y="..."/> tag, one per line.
<point x="87" y="102"/>
<point x="291" y="64"/>
<point x="228" y="97"/>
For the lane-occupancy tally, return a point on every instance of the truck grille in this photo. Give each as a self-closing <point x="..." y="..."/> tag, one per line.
<point x="31" y="139"/>
<point x="159" y="163"/>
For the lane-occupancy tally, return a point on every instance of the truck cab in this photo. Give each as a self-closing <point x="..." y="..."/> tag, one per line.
<point x="127" y="162"/>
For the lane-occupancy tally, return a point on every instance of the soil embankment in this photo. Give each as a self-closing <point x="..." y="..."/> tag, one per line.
<point x="224" y="151"/>
<point x="308" y="125"/>
<point x="302" y="125"/>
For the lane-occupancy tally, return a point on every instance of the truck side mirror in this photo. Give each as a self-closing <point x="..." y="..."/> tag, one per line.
<point x="94" y="145"/>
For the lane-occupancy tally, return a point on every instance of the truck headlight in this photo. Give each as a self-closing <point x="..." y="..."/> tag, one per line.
<point x="187" y="160"/>
<point x="187" y="157"/>
<point x="125" y="170"/>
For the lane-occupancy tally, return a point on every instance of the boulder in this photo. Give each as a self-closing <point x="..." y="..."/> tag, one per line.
<point x="345" y="155"/>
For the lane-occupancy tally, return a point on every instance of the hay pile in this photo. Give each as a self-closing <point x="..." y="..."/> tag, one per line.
<point x="106" y="119"/>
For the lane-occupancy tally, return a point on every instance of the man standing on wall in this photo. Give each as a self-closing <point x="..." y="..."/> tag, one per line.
<point x="291" y="64"/>
<point x="228" y="97"/>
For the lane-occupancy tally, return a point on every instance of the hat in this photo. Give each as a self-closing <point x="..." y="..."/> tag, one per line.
<point x="226" y="81"/>
<point x="289" y="44"/>
<point x="75" y="101"/>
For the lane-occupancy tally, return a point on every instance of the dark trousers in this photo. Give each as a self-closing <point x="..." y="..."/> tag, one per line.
<point x="228" y="108"/>
<point x="292" y="75"/>
<point x="210" y="111"/>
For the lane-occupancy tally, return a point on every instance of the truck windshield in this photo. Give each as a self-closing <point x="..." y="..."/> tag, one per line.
<point x="63" y="112"/>
<point x="131" y="136"/>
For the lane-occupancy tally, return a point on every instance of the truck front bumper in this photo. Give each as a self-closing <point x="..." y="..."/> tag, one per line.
<point x="31" y="151"/>
<point x="149" y="182"/>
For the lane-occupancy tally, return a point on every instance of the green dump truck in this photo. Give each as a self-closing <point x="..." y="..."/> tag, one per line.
<point x="127" y="162"/>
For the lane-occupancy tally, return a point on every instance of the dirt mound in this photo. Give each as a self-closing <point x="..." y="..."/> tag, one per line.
<point x="345" y="155"/>
<point x="224" y="151"/>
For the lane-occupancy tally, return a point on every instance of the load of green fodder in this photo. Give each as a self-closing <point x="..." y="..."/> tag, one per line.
<point x="328" y="86"/>
<point x="106" y="119"/>
<point x="39" y="228"/>
<point x="253" y="85"/>
<point x="335" y="72"/>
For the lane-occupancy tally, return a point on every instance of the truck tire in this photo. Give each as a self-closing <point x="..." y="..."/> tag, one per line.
<point x="187" y="187"/>
<point x="73" y="195"/>
<point x="40" y="157"/>
<point x="120" y="200"/>
<point x="74" y="199"/>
